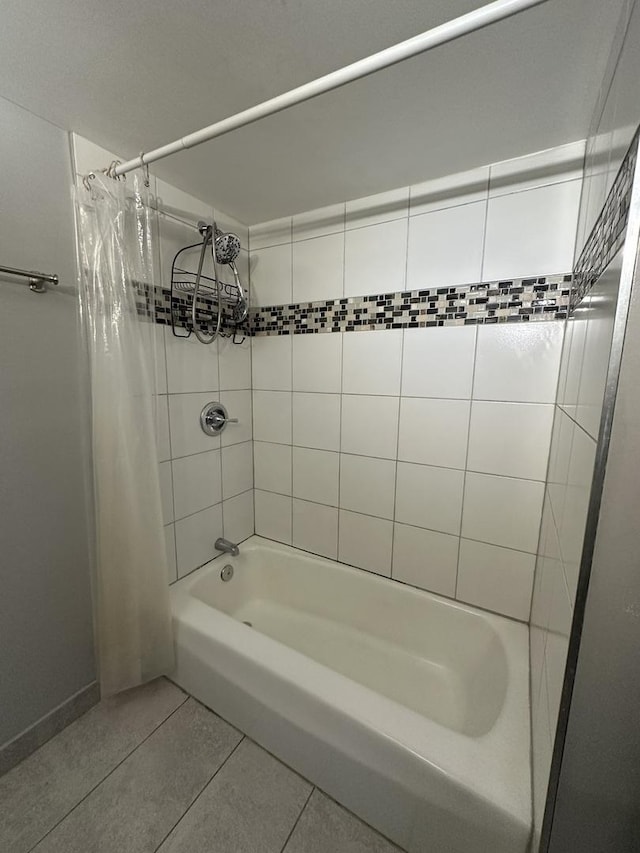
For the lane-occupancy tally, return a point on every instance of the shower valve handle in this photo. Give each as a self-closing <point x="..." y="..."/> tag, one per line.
<point x="214" y="418"/>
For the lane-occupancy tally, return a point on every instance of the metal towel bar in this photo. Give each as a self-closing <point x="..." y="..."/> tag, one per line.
<point x="37" y="280"/>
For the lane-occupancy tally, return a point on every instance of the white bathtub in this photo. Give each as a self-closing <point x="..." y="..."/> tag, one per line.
<point x="410" y="709"/>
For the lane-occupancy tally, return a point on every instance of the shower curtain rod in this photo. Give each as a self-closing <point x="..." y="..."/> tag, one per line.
<point x="447" y="32"/>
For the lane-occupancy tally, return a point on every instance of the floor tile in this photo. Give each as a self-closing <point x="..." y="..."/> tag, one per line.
<point x="38" y="793"/>
<point x="325" y="826"/>
<point x="249" y="807"/>
<point x="135" y="807"/>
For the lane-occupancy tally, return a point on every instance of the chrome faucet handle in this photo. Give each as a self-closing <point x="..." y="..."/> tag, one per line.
<point x="214" y="418"/>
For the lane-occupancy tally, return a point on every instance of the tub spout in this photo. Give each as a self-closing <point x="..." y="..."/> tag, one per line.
<point x="227" y="547"/>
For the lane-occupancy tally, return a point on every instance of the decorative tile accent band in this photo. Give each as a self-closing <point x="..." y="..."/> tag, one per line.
<point x="607" y="235"/>
<point x="153" y="301"/>
<point x="513" y="301"/>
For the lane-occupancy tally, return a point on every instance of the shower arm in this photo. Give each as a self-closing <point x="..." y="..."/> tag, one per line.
<point x="449" y="31"/>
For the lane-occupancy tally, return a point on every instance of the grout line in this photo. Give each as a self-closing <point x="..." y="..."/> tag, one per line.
<point x="113" y="769"/>
<point x="205" y="391"/>
<point x="293" y="828"/>
<point x="407" y="396"/>
<point x="291" y="397"/>
<point x="253" y="448"/>
<point x="395" y="461"/>
<point x="399" y="582"/>
<point x="204" y="787"/>
<point x="341" y="398"/>
<point x="405" y="462"/>
<point x="170" y="459"/>
<point x="466" y="459"/>
<point x="290" y="339"/>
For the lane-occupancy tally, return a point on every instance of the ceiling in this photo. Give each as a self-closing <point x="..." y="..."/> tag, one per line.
<point x="133" y="76"/>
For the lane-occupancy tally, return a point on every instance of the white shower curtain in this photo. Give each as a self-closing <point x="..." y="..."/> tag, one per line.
<point x="133" y="620"/>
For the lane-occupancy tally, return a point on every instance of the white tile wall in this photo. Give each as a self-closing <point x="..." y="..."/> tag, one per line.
<point x="502" y="511"/>
<point x="162" y="428"/>
<point x="166" y="491"/>
<point x="495" y="578"/>
<point x="372" y="255"/>
<point x="197" y="482"/>
<point x="319" y="223"/>
<point x="532" y="231"/>
<point x="195" y="536"/>
<point x="190" y="365"/>
<point x="271" y="275"/>
<point x="425" y="559"/>
<point x="207" y="482"/>
<point x="317" y="363"/>
<point x="510" y="219"/>
<point x="585" y="358"/>
<point x="237" y="469"/>
<point x="273" y="516"/>
<point x="437" y="434"/>
<point x="234" y="365"/>
<point x="238" y="405"/>
<point x="272" y="233"/>
<point x="365" y="542"/>
<point x="564" y="163"/>
<point x="272" y="363"/>
<point x="372" y="210"/>
<point x="272" y="467"/>
<point x="434" y="256"/>
<point x="450" y="191"/>
<point x="315" y="528"/>
<point x="519" y="363"/>
<point x="372" y="362"/>
<point x="510" y="439"/>
<point x="434" y="432"/>
<point x="187" y="436"/>
<point x="370" y="425"/>
<point x="316" y="421"/>
<point x="239" y="517"/>
<point x="272" y="416"/>
<point x="318" y="268"/>
<point x="422" y="470"/>
<point x="429" y="497"/>
<point x="316" y="475"/>
<point x="425" y="355"/>
<point x="368" y="485"/>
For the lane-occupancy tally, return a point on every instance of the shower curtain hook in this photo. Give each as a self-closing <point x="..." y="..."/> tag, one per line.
<point x="145" y="169"/>
<point x="111" y="171"/>
<point x="86" y="180"/>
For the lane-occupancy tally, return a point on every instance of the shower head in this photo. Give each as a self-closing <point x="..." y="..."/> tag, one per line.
<point x="227" y="246"/>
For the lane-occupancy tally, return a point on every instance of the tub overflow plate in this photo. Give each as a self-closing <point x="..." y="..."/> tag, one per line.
<point x="227" y="573"/>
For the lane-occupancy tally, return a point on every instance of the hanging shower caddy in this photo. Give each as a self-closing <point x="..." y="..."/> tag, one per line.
<point x="199" y="300"/>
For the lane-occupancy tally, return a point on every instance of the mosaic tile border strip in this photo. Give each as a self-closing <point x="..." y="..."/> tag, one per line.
<point x="512" y="301"/>
<point x="608" y="233"/>
<point x="157" y="302"/>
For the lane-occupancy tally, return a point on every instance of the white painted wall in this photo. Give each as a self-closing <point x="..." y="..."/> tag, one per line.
<point x="46" y="626"/>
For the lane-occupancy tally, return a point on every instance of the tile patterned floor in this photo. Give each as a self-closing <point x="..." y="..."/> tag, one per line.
<point x="153" y="770"/>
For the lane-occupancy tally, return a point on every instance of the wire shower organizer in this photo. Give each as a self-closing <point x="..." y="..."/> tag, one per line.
<point x="214" y="296"/>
